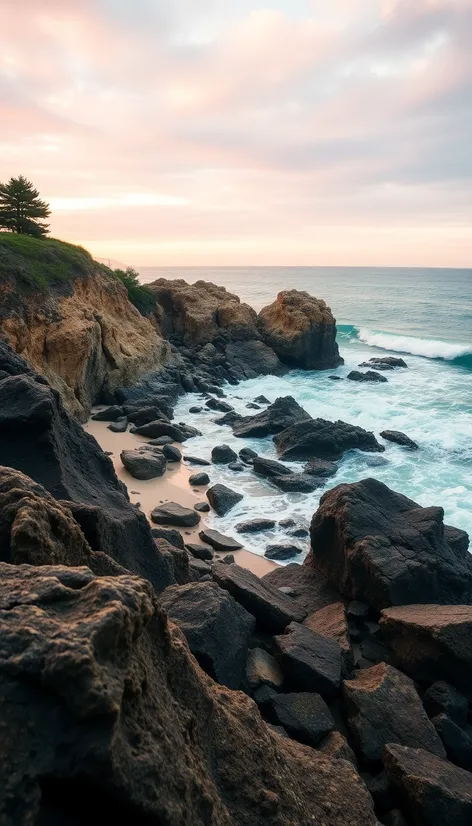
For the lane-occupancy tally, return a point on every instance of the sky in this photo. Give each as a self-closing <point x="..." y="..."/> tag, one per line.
<point x="239" y="132"/>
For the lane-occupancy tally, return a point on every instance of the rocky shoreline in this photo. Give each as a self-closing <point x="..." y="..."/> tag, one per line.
<point x="142" y="664"/>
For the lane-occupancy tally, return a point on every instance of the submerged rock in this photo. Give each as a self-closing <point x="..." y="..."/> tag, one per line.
<point x="198" y="479"/>
<point x="305" y="716"/>
<point x="301" y="330"/>
<point x="110" y="414"/>
<point x="282" y="552"/>
<point x="255" y="525"/>
<point x="269" y="467"/>
<point x="223" y="455"/>
<point x="296" y="483"/>
<point x="321" y="439"/>
<point x="120" y="426"/>
<point x="178" y="433"/>
<point x="379" y="547"/>
<point x="384" y="363"/>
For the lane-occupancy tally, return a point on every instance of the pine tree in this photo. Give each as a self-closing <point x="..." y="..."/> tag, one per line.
<point x="21" y="208"/>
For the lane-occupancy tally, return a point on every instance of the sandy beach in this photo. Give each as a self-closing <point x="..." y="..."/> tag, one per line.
<point x="172" y="487"/>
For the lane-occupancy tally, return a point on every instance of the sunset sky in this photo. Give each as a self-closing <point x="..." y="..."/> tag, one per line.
<point x="243" y="132"/>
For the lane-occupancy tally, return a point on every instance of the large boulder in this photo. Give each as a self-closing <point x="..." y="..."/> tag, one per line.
<point x="249" y="359"/>
<point x="216" y="627"/>
<point x="222" y="499"/>
<point x="302" y="331"/>
<point x="104" y="714"/>
<point x="310" y="661"/>
<point x="432" y="792"/>
<point x="383" y="706"/>
<point x="39" y="438"/>
<point x="432" y="642"/>
<point x="143" y="464"/>
<point x="321" y="439"/>
<point x="379" y="547"/>
<point x="272" y="609"/>
<point x="284" y="412"/>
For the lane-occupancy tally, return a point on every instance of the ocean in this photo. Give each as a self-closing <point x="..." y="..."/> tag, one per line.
<point x="423" y="314"/>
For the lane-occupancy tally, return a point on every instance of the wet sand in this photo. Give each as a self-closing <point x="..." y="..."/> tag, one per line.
<point x="172" y="487"/>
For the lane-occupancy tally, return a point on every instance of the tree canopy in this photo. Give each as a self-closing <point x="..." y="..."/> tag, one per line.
<point x="21" y="209"/>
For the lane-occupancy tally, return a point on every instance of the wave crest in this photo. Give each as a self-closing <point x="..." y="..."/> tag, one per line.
<point x="427" y="348"/>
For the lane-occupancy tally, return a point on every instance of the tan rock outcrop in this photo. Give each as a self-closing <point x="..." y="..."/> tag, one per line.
<point x="85" y="340"/>
<point x="302" y="331"/>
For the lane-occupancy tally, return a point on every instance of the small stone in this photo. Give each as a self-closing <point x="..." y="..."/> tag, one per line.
<point x="255" y="525"/>
<point x="198" y="479"/>
<point x="172" y="453"/>
<point x="222" y="499"/>
<point x="202" y="507"/>
<point x="280" y="553"/>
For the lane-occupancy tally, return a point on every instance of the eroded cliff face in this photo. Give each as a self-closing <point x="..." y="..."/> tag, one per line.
<point x="87" y="339"/>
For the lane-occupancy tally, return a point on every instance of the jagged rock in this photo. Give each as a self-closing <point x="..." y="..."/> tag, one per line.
<point x="247" y="455"/>
<point x="310" y="661"/>
<point x="39" y="438"/>
<point x="399" y="438"/>
<point x="198" y="479"/>
<point x="336" y="746"/>
<point x="384" y="363"/>
<point x="318" y="438"/>
<point x="310" y="588"/>
<point x="297" y="483"/>
<point x="171" y="513"/>
<point x="219" y="541"/>
<point x="143" y="464"/>
<point x="382" y="706"/>
<point x="120" y="426"/>
<point x="110" y="414"/>
<point x="222" y="499"/>
<point x="370" y="376"/>
<point x="172" y="453"/>
<point x="301" y="330"/>
<point x="306" y="717"/>
<point x="331" y="621"/>
<point x="223" y="454"/>
<point x="262" y="400"/>
<point x="255" y="525"/>
<point x="172" y="536"/>
<point x="178" y="433"/>
<point x="200" y="551"/>
<point x="432" y="642"/>
<point x="262" y="669"/>
<point x="236" y="467"/>
<point x="433" y="792"/>
<point x="442" y="698"/>
<point x="100" y="700"/>
<point x="253" y="358"/>
<point x="457" y="742"/>
<point x="216" y="627"/>
<point x="379" y="547"/>
<point x="281" y="552"/>
<point x="285" y="411"/>
<point x="273" y="610"/>
<point x="269" y="467"/>
<point x="217" y="404"/>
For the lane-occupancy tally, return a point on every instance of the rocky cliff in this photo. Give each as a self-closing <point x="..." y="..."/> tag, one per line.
<point x="72" y="321"/>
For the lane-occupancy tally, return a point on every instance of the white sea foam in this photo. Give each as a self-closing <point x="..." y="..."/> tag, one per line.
<point x="428" y="348"/>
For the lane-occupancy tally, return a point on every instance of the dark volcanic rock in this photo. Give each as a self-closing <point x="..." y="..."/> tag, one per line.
<point x="236" y="467"/>
<point x="302" y="331"/>
<point x="110" y="414"/>
<point x="282" y="552"/>
<point x="432" y="642"/>
<point x="222" y="499"/>
<point x="442" y="698"/>
<point x="105" y="715"/>
<point x="370" y="376"/>
<point x="284" y="412"/>
<point x="171" y="513"/>
<point x="179" y="433"/>
<point x="297" y="483"/>
<point x="247" y="455"/>
<point x="218" y="541"/>
<point x="457" y="742"/>
<point x="145" y="415"/>
<point x="318" y="438"/>
<point x="253" y="358"/>
<point x="172" y="536"/>
<point x="309" y="587"/>
<point x="198" y="479"/>
<point x="172" y="453"/>
<point x="273" y="610"/>
<point x="143" y="464"/>
<point x="216" y="627"/>
<point x="229" y="418"/>
<point x="433" y="792"/>
<point x="399" y="438"/>
<point x="223" y="454"/>
<point x="217" y="404"/>
<point x="306" y="717"/>
<point x="379" y="547"/>
<point x="331" y="621"/>
<point x="382" y="707"/>
<point x="310" y="661"/>
<point x="269" y="467"/>
<point x="120" y="426"/>
<point x="39" y="438"/>
<point x="200" y="551"/>
<point x="384" y="363"/>
<point x="255" y="525"/>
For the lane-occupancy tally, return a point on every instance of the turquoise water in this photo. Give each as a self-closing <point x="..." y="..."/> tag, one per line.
<point x="425" y="315"/>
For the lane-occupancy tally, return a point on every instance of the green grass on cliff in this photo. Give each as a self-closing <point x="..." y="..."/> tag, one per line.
<point x="37" y="264"/>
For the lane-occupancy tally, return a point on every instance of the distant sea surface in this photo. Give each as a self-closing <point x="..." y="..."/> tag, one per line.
<point x="423" y="314"/>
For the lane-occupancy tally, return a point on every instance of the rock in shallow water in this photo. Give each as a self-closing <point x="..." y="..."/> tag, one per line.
<point x="399" y="439"/>
<point x="282" y="552"/>
<point x="278" y="416"/>
<point x="321" y="439"/>
<point x="222" y="499"/>
<point x="370" y="376"/>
